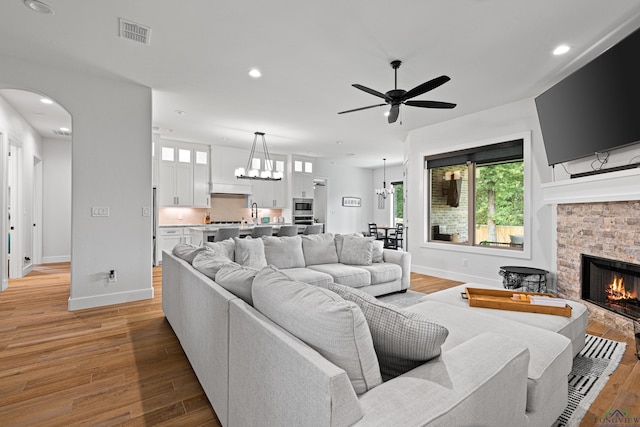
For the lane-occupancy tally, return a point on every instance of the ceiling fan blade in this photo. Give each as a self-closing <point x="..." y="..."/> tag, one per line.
<point x="393" y="113"/>
<point x="426" y="87"/>
<point x="430" y="104"/>
<point x="370" y="91"/>
<point x="362" y="108"/>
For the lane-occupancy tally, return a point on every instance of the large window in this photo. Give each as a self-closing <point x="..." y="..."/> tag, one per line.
<point x="398" y="202"/>
<point x="476" y="196"/>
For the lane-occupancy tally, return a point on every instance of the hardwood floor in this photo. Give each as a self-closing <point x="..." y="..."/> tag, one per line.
<point x="123" y="365"/>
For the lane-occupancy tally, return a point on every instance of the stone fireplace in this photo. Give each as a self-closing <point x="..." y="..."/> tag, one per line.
<point x="603" y="231"/>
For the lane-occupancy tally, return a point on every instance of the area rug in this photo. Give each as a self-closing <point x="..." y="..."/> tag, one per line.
<point x="591" y="367"/>
<point x="591" y="370"/>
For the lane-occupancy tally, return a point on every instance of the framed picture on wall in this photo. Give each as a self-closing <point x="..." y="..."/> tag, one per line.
<point x="352" y="202"/>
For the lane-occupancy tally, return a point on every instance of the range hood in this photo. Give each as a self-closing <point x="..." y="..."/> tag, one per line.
<point x="223" y="188"/>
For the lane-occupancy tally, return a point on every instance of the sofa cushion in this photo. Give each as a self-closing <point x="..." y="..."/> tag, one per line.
<point x="306" y="275"/>
<point x="347" y="275"/>
<point x="356" y="250"/>
<point x="319" y="249"/>
<point x="250" y="252"/>
<point x="237" y="280"/>
<point x="187" y="251"/>
<point x="378" y="253"/>
<point x="402" y="339"/>
<point x="284" y="252"/>
<point x="209" y="263"/>
<point x="339" y="239"/>
<point x="383" y="272"/>
<point x="334" y="327"/>
<point x="226" y="248"/>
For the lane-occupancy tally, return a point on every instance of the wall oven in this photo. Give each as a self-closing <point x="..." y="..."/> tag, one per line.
<point x="303" y="219"/>
<point x="303" y="207"/>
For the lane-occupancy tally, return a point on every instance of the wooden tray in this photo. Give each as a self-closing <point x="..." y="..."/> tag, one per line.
<point x="501" y="300"/>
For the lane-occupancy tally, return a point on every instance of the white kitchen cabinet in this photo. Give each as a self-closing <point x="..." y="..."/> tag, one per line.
<point x="224" y="161"/>
<point x="183" y="175"/>
<point x="168" y="237"/>
<point x="271" y="194"/>
<point x="302" y="177"/>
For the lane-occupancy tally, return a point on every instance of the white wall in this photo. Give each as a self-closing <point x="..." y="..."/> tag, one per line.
<point x="56" y="201"/>
<point x="15" y="129"/>
<point x="346" y="182"/>
<point x="111" y="167"/>
<point x="447" y="260"/>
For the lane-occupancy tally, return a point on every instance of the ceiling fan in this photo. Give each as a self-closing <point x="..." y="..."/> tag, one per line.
<point x="396" y="96"/>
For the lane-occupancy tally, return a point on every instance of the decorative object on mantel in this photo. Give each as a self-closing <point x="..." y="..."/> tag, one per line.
<point x="252" y="170"/>
<point x="353" y="202"/>
<point x="384" y="191"/>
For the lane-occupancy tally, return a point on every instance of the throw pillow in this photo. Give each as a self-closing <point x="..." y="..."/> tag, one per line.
<point x="378" y="253"/>
<point x="319" y="249"/>
<point x="250" y="252"/>
<point x="226" y="248"/>
<point x="340" y="237"/>
<point x="334" y="327"/>
<point x="356" y="250"/>
<point x="208" y="263"/>
<point x="403" y="340"/>
<point x="237" y="280"/>
<point x="284" y="252"/>
<point x="187" y="251"/>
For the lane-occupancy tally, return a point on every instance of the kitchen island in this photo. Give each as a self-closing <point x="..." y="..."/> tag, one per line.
<point x="206" y="233"/>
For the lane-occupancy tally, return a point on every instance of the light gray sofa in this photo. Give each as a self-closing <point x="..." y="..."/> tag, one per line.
<point x="258" y="366"/>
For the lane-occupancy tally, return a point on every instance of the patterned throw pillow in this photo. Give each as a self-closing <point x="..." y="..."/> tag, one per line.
<point x="403" y="340"/>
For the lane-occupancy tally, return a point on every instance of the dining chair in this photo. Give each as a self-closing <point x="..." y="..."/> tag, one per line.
<point x="373" y="231"/>
<point x="262" y="230"/>
<point x="288" y="230"/>
<point x="396" y="240"/>
<point x="225" y="233"/>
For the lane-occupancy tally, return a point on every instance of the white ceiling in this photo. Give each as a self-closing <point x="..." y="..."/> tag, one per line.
<point x="495" y="51"/>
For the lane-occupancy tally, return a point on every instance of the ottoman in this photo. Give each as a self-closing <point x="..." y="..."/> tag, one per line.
<point x="573" y="327"/>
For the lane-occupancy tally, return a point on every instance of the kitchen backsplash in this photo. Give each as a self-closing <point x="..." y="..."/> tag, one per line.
<point x="224" y="207"/>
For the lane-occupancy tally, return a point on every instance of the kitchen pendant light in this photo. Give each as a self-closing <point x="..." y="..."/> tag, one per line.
<point x="252" y="170"/>
<point x="384" y="191"/>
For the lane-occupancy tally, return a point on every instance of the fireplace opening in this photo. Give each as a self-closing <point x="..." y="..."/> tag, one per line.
<point x="614" y="285"/>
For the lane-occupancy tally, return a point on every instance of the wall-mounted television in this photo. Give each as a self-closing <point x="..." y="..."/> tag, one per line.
<point x="596" y="108"/>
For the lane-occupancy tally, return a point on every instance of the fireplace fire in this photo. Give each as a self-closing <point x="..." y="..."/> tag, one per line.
<point x="612" y="284"/>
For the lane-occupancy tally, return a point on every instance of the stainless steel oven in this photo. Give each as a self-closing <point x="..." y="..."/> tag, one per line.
<point x="303" y="207"/>
<point x="303" y="219"/>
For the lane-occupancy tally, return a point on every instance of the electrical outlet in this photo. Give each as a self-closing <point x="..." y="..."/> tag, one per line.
<point x="113" y="277"/>
<point x="99" y="211"/>
<point x="465" y="262"/>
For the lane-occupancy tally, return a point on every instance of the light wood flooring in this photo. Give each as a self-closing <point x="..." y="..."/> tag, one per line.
<point x="123" y="365"/>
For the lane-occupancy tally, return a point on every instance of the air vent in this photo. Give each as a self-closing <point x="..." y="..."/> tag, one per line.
<point x="135" y="32"/>
<point x="62" y="132"/>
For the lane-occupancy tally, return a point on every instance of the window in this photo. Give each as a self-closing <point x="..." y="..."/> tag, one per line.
<point x="476" y="196"/>
<point x="398" y="202"/>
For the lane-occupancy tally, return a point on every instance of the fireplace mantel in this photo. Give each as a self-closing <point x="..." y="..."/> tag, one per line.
<point x="616" y="186"/>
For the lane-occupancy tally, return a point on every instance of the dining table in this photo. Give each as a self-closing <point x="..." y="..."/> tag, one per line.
<point x="386" y="234"/>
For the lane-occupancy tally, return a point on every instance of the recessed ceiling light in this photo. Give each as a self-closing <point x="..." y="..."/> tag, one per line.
<point x="46" y="101"/>
<point x="63" y="129"/>
<point x="561" y="50"/>
<point x="169" y="130"/>
<point x="40" y="7"/>
<point x="180" y="112"/>
<point x="255" y="73"/>
<point x="338" y="142"/>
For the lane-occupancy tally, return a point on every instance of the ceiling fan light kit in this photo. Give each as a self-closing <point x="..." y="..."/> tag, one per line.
<point x="252" y="170"/>
<point x="396" y="97"/>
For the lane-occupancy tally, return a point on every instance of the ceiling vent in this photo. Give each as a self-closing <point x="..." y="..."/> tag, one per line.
<point x="135" y="32"/>
<point x="62" y="132"/>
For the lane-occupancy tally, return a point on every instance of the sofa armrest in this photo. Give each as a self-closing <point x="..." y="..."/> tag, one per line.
<point x="275" y="379"/>
<point x="403" y="259"/>
<point x="481" y="382"/>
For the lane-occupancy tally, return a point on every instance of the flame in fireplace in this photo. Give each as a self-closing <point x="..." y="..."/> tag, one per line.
<point x="616" y="290"/>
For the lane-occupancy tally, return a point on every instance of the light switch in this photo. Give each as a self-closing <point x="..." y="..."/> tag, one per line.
<point x="146" y="211"/>
<point x="99" y="211"/>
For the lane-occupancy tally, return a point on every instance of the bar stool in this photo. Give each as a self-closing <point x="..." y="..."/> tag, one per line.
<point x="288" y="230"/>
<point x="225" y="233"/>
<point x="313" y="229"/>
<point x="262" y="230"/>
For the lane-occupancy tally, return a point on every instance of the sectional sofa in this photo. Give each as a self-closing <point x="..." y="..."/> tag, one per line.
<point x="270" y="349"/>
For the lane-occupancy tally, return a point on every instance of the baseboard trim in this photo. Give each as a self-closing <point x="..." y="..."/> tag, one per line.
<point x="109" y="299"/>
<point x="56" y="259"/>
<point x="452" y="275"/>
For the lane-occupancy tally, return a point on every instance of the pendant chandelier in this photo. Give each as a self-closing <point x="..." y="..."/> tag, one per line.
<point x="384" y="191"/>
<point x="253" y="170"/>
